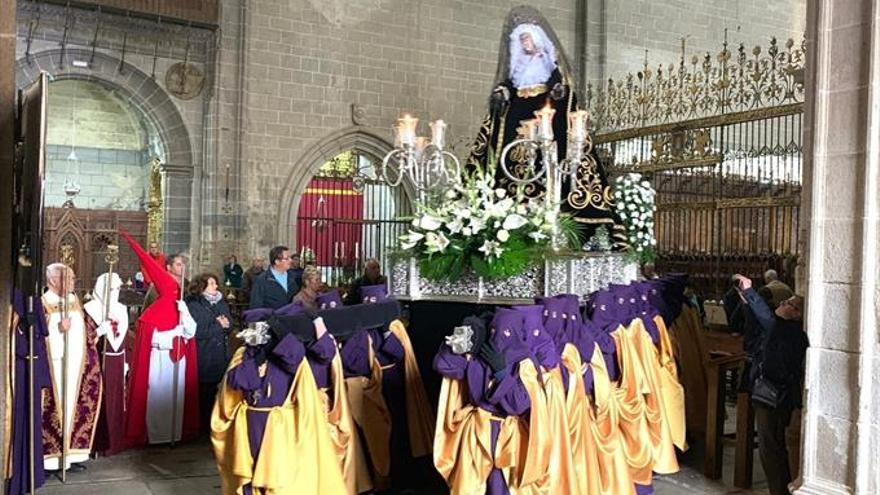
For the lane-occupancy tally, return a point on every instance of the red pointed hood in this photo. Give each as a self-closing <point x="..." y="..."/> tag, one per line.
<point x="162" y="314"/>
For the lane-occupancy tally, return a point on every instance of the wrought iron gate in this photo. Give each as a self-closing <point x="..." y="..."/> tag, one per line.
<point x="347" y="215"/>
<point x="720" y="139"/>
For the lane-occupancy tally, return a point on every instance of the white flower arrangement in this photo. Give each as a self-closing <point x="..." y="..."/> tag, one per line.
<point x="478" y="225"/>
<point x="635" y="205"/>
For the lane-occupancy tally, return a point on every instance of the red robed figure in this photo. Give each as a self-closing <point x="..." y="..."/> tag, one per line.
<point x="160" y="316"/>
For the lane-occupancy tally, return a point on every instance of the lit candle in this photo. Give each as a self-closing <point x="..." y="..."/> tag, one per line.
<point x="335" y="250"/>
<point x="406" y="129"/>
<point x="357" y="250"/>
<point x="528" y="129"/>
<point x="342" y="251"/>
<point x="302" y="254"/>
<point x="577" y="124"/>
<point x="545" y="122"/>
<point x="438" y="133"/>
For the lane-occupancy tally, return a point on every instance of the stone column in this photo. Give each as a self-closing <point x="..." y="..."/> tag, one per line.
<point x="7" y="136"/>
<point x="841" y="444"/>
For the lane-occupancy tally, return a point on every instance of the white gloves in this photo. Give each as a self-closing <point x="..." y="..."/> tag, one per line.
<point x="320" y="327"/>
<point x="186" y="320"/>
<point x="165" y="340"/>
<point x="105" y="328"/>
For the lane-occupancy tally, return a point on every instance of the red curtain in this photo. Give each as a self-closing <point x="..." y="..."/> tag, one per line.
<point x="330" y="220"/>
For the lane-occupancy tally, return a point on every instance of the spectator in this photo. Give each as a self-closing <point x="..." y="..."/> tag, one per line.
<point x="277" y="285"/>
<point x="213" y="324"/>
<point x="372" y="276"/>
<point x="297" y="267"/>
<point x="778" y="290"/>
<point x="157" y="255"/>
<point x="232" y="273"/>
<point x="258" y="266"/>
<point x="310" y="289"/>
<point x="776" y="379"/>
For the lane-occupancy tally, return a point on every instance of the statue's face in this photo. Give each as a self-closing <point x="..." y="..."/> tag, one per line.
<point x="528" y="44"/>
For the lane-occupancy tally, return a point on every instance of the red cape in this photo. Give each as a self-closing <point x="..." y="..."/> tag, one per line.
<point x="160" y="316"/>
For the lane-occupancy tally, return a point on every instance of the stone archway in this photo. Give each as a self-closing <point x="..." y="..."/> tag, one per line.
<point x="154" y="104"/>
<point x="351" y="138"/>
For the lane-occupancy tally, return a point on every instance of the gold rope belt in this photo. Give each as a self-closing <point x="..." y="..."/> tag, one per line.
<point x="389" y="366"/>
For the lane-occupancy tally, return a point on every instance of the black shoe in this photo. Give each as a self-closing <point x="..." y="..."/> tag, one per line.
<point x="76" y="467"/>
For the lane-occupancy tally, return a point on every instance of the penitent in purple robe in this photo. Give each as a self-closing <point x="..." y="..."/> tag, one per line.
<point x="320" y="354"/>
<point x="502" y="394"/>
<point x="270" y="390"/>
<point x="18" y="482"/>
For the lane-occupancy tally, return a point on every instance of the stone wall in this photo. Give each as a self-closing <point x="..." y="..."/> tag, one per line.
<point x="282" y="78"/>
<point x="108" y="178"/>
<point x="632" y="26"/>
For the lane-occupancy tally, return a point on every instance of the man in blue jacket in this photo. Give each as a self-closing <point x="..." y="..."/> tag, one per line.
<point x="776" y="378"/>
<point x="276" y="286"/>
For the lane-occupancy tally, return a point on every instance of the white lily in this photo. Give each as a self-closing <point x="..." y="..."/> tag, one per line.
<point x="410" y="240"/>
<point x="514" y="221"/>
<point x="455" y="225"/>
<point x="537" y="235"/>
<point x="436" y="243"/>
<point x="477" y="224"/>
<point x="430" y="222"/>
<point x="503" y="235"/>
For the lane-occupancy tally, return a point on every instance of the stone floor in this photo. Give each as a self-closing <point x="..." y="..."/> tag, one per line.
<point x="191" y="469"/>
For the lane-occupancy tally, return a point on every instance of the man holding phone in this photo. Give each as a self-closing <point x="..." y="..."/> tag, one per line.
<point x="776" y="377"/>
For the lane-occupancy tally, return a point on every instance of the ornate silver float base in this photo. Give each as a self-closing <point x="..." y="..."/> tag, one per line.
<point x="564" y="274"/>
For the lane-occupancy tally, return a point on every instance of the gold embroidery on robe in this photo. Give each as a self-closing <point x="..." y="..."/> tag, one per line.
<point x="296" y="454"/>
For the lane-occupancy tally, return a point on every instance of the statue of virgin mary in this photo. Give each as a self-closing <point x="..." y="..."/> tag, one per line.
<point x="533" y="72"/>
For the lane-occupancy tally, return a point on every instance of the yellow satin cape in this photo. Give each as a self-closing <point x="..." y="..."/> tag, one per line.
<point x="656" y="411"/>
<point x="586" y="476"/>
<point x="561" y="470"/>
<point x="614" y="471"/>
<point x="346" y="443"/>
<point x="370" y="413"/>
<point x="671" y="390"/>
<point x="630" y="395"/>
<point x="463" y="440"/>
<point x="296" y="456"/>
<point x="419" y="414"/>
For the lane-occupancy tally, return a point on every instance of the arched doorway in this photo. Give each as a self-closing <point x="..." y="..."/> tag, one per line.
<point x="99" y="149"/>
<point x="110" y="83"/>
<point x="347" y="215"/>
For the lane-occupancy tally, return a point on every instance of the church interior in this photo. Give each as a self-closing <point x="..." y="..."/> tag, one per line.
<point x="597" y="247"/>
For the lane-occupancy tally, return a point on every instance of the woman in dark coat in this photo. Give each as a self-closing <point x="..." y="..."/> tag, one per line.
<point x="213" y="323"/>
